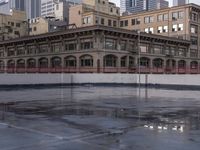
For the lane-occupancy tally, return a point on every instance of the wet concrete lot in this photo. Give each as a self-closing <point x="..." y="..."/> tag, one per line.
<point x="99" y="118"/>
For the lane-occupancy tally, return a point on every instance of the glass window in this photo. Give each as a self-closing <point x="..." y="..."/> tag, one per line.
<point x="146" y="30"/>
<point x="111" y="44"/>
<point x="146" y="19"/>
<point x="126" y="23"/>
<point x="165" y="17"/>
<point x="160" y="29"/>
<point x="160" y="17"/>
<point x="20" y="51"/>
<point x="194" y="40"/>
<point x="180" y="27"/>
<point x="70" y="45"/>
<point x="150" y="19"/>
<point x="143" y="48"/>
<point x="194" y="29"/>
<point x="174" y="16"/>
<point x="109" y="22"/>
<point x="194" y="17"/>
<point x="157" y="49"/>
<point x="102" y="21"/>
<point x="151" y="30"/>
<point x="43" y="48"/>
<point x="87" y="20"/>
<point x="31" y="49"/>
<point x="86" y="44"/>
<point x="180" y="14"/>
<point x="165" y="29"/>
<point x="56" y="47"/>
<point x="123" y="45"/>
<point x="114" y="23"/>
<point x="181" y="52"/>
<point x="121" y="23"/>
<point x="174" y="28"/>
<point x="133" y="22"/>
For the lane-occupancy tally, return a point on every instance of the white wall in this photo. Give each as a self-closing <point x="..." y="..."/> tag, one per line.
<point x="22" y="79"/>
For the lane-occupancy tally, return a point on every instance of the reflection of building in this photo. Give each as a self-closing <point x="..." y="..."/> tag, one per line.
<point x="94" y="49"/>
<point x="13" y="25"/>
<point x="95" y="12"/>
<point x="180" y="22"/>
<point x="133" y="6"/>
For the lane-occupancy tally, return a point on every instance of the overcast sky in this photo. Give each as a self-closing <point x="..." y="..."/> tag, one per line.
<point x="170" y="1"/>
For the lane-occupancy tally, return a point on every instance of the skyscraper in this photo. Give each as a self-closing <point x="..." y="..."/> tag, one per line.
<point x="179" y="2"/>
<point x="48" y="6"/>
<point x="32" y="7"/>
<point x="133" y="6"/>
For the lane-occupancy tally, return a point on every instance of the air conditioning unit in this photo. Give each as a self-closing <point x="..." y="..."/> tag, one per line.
<point x="164" y="30"/>
<point x="173" y="29"/>
<point x="158" y="31"/>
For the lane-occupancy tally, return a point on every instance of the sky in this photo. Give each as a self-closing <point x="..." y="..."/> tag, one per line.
<point x="170" y="2"/>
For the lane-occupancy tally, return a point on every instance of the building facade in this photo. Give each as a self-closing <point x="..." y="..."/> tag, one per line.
<point x="181" y="22"/>
<point x="42" y="25"/>
<point x="96" y="12"/>
<point x="179" y="2"/>
<point x="96" y="49"/>
<point x="134" y="6"/>
<point x="13" y="25"/>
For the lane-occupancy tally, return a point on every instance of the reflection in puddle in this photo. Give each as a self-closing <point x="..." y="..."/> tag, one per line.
<point x="114" y="113"/>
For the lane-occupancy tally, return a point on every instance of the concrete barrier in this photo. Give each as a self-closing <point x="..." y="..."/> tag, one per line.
<point x="150" y="79"/>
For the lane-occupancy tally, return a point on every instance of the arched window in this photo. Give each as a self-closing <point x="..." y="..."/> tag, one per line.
<point x="21" y="63"/>
<point x="158" y="63"/>
<point x="70" y="61"/>
<point x="86" y="61"/>
<point x="31" y="63"/>
<point x="171" y="63"/>
<point x="110" y="61"/>
<point x="194" y="65"/>
<point x="56" y="62"/>
<point x="11" y="64"/>
<point x="43" y="63"/>
<point x="144" y="62"/>
<point x="181" y="64"/>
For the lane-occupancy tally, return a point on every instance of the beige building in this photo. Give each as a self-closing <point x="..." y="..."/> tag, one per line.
<point x="42" y="25"/>
<point x="96" y="12"/>
<point x="182" y="22"/>
<point x="13" y="25"/>
<point x="96" y="49"/>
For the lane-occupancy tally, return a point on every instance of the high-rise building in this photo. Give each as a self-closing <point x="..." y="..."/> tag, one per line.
<point x="179" y="2"/>
<point x="32" y="7"/>
<point x="133" y="6"/>
<point x="48" y="6"/>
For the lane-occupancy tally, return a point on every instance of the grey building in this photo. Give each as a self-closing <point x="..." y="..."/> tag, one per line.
<point x="134" y="6"/>
<point x="33" y="8"/>
<point x="179" y="2"/>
